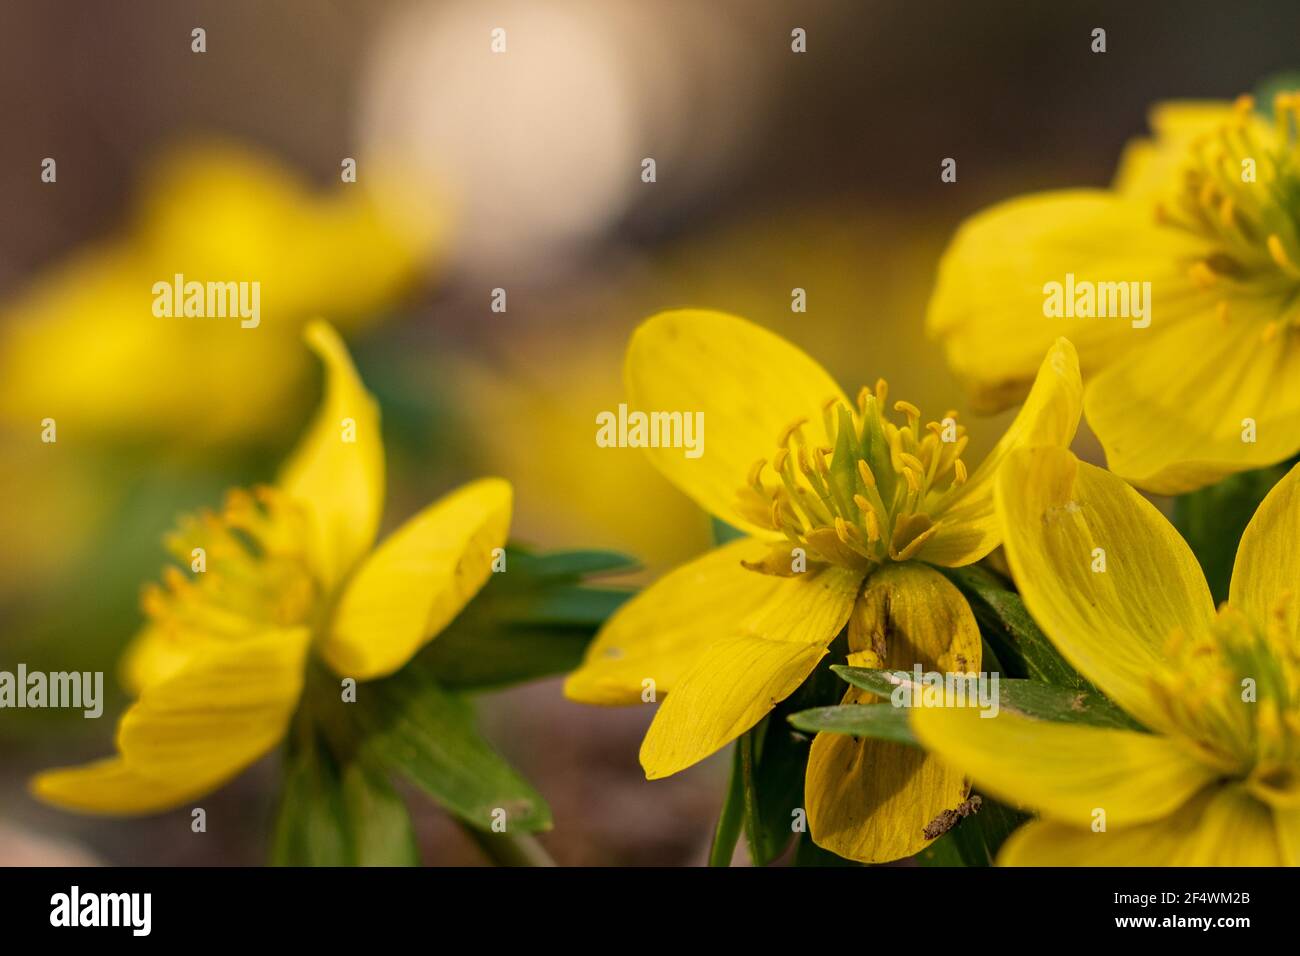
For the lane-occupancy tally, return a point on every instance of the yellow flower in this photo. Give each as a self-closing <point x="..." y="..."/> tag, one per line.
<point x="1217" y="781"/>
<point x="291" y="570"/>
<point x="1208" y="213"/>
<point x="83" y="346"/>
<point x="800" y="468"/>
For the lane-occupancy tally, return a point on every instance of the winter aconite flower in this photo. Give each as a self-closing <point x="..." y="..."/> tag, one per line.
<point x="1181" y="285"/>
<point x="1217" y="781"/>
<point x="82" y="343"/>
<point x="845" y="503"/>
<point x="279" y="574"/>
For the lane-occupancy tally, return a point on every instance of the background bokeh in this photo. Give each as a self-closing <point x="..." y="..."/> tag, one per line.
<point x="477" y="171"/>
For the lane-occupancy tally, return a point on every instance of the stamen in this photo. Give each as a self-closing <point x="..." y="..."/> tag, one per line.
<point x="790" y="431"/>
<point x="1279" y="254"/>
<point x="863" y="495"/>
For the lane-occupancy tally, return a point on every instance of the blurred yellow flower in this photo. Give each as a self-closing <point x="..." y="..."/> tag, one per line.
<point x="282" y="572"/>
<point x="1206" y="213"/>
<point x="841" y="524"/>
<point x="83" y="346"/>
<point x="1217" y="782"/>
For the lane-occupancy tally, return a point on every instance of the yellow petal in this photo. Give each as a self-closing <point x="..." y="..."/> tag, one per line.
<point x="1287" y="822"/>
<point x="968" y="526"/>
<point x="1172" y="414"/>
<point x="337" y="471"/>
<point x="1150" y="167"/>
<point x="749" y="384"/>
<point x="1267" y="569"/>
<point x="732" y="686"/>
<point x="1063" y="518"/>
<point x="154" y="656"/>
<point x="109" y="786"/>
<point x="418" y="580"/>
<point x="1065" y="771"/>
<point x="190" y="733"/>
<point x="1222" y="827"/>
<point x="988" y="306"/>
<point x="661" y="633"/>
<point x="871" y="800"/>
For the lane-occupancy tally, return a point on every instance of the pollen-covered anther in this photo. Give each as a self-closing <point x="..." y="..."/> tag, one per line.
<point x="254" y="572"/>
<point x="1202" y="276"/>
<point x="861" y="492"/>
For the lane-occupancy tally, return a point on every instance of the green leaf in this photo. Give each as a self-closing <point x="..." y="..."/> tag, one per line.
<point x="560" y="606"/>
<point x="468" y="659"/>
<point x="1028" y="698"/>
<point x="724" y="533"/>
<point x="774" y="786"/>
<point x="339" y="815"/>
<point x="1212" y="520"/>
<point x="774" y="782"/>
<point x="879" y="721"/>
<point x="380" y="825"/>
<point x="1005" y="624"/>
<point x="534" y="620"/>
<point x="569" y="565"/>
<point x="416" y="728"/>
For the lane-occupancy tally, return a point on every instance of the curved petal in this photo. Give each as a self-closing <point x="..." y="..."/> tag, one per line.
<point x="417" y="581"/>
<point x="111" y="786"/>
<point x="1061" y="520"/>
<point x="1066" y="772"/>
<point x="871" y="800"/>
<point x="153" y="656"/>
<point x="968" y="526"/>
<point x="337" y="470"/>
<point x="748" y="383"/>
<point x="1150" y="167"/>
<point x="1172" y="415"/>
<point x="732" y="686"/>
<point x="191" y="732"/>
<point x="988" y="305"/>
<point x="1222" y="827"/>
<point x="1267" y="568"/>
<point x="661" y="633"/>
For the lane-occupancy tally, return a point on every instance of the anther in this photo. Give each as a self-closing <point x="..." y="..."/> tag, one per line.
<point x="788" y="432"/>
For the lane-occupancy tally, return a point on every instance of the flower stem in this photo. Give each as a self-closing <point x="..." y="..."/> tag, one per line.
<point x="731" y="820"/>
<point x="510" y="849"/>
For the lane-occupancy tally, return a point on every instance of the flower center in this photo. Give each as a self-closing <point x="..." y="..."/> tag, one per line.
<point x="866" y="497"/>
<point x="1240" y="189"/>
<point x="251" y="572"/>
<point x="1235" y="692"/>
